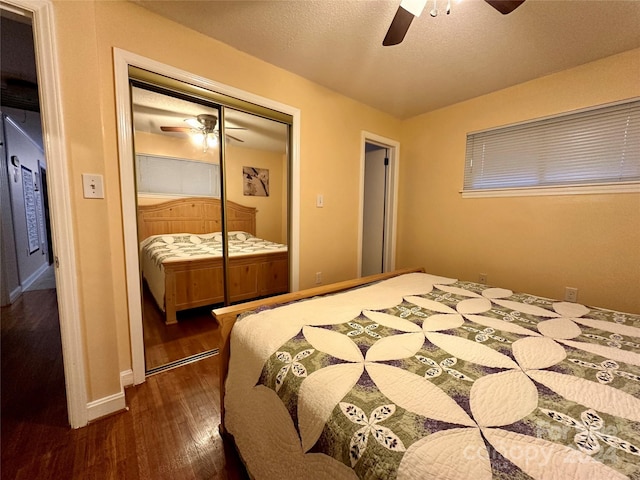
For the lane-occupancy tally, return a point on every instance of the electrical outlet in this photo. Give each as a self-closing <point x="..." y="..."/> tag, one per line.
<point x="571" y="294"/>
<point x="318" y="278"/>
<point x="482" y="278"/>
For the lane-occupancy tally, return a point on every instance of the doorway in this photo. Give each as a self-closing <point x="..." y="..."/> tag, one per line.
<point x="33" y="380"/>
<point x="378" y="212"/>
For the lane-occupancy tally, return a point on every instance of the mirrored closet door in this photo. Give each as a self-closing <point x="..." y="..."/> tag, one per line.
<point x="212" y="213"/>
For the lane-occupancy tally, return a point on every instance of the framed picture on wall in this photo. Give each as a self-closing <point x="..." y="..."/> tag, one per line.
<point x="30" y="209"/>
<point x="256" y="181"/>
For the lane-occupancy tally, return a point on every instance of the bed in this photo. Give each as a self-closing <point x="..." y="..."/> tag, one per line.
<point x="411" y="375"/>
<point x="193" y="275"/>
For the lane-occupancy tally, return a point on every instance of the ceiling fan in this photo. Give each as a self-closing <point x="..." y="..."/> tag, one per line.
<point x="203" y="127"/>
<point x="409" y="9"/>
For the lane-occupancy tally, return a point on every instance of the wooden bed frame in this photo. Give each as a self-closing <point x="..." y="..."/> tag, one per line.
<point x="199" y="282"/>
<point x="226" y="316"/>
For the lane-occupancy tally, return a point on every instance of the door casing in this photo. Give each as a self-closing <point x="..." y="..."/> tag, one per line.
<point x="393" y="147"/>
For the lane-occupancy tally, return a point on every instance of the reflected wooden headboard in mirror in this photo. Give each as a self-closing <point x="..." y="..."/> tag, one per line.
<point x="193" y="215"/>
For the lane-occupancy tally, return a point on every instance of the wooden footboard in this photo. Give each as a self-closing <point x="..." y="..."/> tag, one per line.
<point x="226" y="316"/>
<point x="199" y="282"/>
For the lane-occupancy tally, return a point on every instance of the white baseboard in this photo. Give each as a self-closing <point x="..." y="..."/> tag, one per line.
<point x="106" y="406"/>
<point x="126" y="378"/>
<point x="34" y="276"/>
<point x="113" y="403"/>
<point x="13" y="296"/>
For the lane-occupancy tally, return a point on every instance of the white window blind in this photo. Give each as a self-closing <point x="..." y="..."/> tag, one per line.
<point x="176" y="176"/>
<point x="594" y="147"/>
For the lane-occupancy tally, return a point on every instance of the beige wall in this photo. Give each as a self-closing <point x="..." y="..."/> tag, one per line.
<point x="271" y="216"/>
<point x="534" y="244"/>
<point x="331" y="128"/>
<point x="166" y="146"/>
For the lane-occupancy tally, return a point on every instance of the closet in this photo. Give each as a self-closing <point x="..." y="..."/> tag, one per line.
<point x="212" y="194"/>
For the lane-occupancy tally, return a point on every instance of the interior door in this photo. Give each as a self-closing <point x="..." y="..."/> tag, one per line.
<point x="374" y="212"/>
<point x="256" y="173"/>
<point x="175" y="160"/>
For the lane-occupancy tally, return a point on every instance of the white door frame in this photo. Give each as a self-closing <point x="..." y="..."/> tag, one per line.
<point x="122" y="60"/>
<point x="391" y="198"/>
<point x="62" y="227"/>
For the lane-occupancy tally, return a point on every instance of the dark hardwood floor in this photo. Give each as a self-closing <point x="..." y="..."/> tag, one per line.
<point x="170" y="430"/>
<point x="194" y="333"/>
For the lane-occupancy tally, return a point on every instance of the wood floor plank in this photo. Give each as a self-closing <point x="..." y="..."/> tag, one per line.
<point x="169" y="432"/>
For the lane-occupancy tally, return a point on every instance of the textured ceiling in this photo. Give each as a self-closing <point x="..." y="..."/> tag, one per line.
<point x="443" y="60"/>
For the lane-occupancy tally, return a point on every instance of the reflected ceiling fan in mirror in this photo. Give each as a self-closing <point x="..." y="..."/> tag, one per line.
<point x="409" y="9"/>
<point x="203" y="130"/>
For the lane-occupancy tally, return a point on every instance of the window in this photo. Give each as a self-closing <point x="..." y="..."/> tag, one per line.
<point x="176" y="176"/>
<point x="599" y="147"/>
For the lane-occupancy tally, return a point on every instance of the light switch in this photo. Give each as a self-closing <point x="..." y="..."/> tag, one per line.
<point x="92" y="186"/>
<point x="320" y="201"/>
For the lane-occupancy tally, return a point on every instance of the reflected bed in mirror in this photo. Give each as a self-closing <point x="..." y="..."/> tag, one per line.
<point x="181" y="255"/>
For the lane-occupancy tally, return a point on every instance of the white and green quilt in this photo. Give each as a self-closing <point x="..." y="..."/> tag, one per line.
<point x="157" y="250"/>
<point x="163" y="248"/>
<point x="427" y="377"/>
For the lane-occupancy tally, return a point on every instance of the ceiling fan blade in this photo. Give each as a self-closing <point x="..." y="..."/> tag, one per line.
<point x="176" y="129"/>
<point x="407" y="11"/>
<point x="398" y="28"/>
<point x="505" y="6"/>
